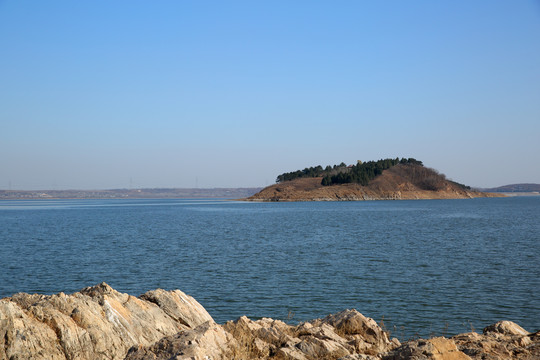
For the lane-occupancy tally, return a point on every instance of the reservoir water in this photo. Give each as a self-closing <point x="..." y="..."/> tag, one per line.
<point x="427" y="267"/>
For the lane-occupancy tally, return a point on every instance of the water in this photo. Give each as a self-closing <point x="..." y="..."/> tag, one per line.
<point x="427" y="267"/>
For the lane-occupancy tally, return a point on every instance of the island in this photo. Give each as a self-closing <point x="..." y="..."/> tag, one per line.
<point x="386" y="179"/>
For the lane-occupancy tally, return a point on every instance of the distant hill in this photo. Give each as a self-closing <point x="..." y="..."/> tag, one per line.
<point x="389" y="179"/>
<point x="515" y="188"/>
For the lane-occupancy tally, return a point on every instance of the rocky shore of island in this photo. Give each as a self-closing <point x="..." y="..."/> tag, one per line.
<point x="101" y="323"/>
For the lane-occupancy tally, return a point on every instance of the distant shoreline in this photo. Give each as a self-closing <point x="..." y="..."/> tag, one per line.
<point x="241" y="194"/>
<point x="532" y="193"/>
<point x="117" y="194"/>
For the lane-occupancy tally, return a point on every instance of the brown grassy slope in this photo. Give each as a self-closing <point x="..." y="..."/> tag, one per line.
<point x="398" y="182"/>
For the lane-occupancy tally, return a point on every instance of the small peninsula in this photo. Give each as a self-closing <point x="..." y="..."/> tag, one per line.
<point x="387" y="179"/>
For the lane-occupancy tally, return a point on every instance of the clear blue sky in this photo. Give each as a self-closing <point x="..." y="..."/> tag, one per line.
<point x="113" y="94"/>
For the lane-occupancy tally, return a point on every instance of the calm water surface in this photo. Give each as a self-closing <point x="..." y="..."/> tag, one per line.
<point x="427" y="267"/>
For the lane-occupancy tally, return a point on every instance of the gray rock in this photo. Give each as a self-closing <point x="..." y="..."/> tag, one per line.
<point x="96" y="323"/>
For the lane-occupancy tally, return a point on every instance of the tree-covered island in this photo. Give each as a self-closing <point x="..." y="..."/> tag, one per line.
<point x="398" y="178"/>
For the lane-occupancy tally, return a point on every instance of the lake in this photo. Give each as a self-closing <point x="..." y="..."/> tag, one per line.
<point x="424" y="267"/>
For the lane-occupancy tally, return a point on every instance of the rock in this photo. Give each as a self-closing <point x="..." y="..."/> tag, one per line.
<point x="262" y="338"/>
<point x="502" y="340"/>
<point x="316" y="348"/>
<point x="207" y="341"/>
<point x="249" y="340"/>
<point x="437" y="348"/>
<point x="367" y="335"/>
<point x="101" y="323"/>
<point x="506" y="328"/>
<point x="96" y="323"/>
<point x="322" y="332"/>
<point x="336" y="336"/>
<point x="178" y="306"/>
<point x="23" y="337"/>
<point x="290" y="353"/>
<point x="359" y="357"/>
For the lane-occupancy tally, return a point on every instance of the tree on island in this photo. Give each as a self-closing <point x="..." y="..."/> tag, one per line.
<point x="361" y="173"/>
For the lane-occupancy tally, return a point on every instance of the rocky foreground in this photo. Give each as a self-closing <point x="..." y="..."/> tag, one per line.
<point x="101" y="323"/>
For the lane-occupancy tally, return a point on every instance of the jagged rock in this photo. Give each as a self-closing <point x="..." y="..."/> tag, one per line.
<point x="500" y="341"/>
<point x="336" y="336"/>
<point x="96" y="323"/>
<point x="207" y="341"/>
<point x="364" y="332"/>
<point x="101" y="323"/>
<point x="316" y="348"/>
<point x="504" y="340"/>
<point x="262" y="338"/>
<point x="23" y="337"/>
<point x="359" y="357"/>
<point x="506" y="328"/>
<point x="437" y="348"/>
<point x="178" y="306"/>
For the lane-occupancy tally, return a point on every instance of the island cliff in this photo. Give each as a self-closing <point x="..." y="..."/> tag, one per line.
<point x="101" y="323"/>
<point x="401" y="181"/>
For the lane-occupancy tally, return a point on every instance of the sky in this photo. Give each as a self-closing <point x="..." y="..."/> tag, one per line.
<point x="144" y="94"/>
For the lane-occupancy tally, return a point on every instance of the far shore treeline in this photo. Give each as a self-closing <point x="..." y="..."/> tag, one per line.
<point x="360" y="173"/>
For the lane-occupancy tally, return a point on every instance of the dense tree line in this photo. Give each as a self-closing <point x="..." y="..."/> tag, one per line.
<point x="360" y="173"/>
<point x="363" y="173"/>
<point x="315" y="171"/>
<point x="307" y="172"/>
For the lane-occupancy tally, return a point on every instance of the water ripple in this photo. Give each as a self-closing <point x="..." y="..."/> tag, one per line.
<point x="427" y="267"/>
